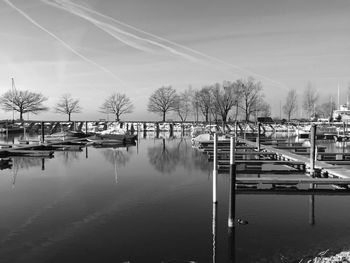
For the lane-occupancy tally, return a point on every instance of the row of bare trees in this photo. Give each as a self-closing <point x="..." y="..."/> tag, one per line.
<point x="214" y="102"/>
<point x="217" y="102"/>
<point x="309" y="103"/>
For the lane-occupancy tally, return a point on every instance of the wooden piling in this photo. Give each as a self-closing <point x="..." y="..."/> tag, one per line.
<point x="42" y="132"/>
<point x="312" y="150"/>
<point x="232" y="191"/>
<point x="215" y="167"/>
<point x="258" y="137"/>
<point x="86" y="127"/>
<point x="171" y="127"/>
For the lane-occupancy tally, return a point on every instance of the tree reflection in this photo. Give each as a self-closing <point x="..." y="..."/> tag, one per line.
<point x="165" y="158"/>
<point x="26" y="162"/>
<point x="117" y="156"/>
<point x="68" y="156"/>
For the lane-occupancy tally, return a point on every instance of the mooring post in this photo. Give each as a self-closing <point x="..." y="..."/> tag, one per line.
<point x="258" y="137"/>
<point x="312" y="150"/>
<point x="42" y="132"/>
<point x="214" y="226"/>
<point x="171" y="127"/>
<point x="7" y="130"/>
<point x="215" y="167"/>
<point x="232" y="197"/>
<point x="86" y="127"/>
<point x="235" y="131"/>
<point x="343" y="127"/>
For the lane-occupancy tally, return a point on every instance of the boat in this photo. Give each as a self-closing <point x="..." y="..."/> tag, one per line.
<point x="64" y="135"/>
<point x="11" y="128"/>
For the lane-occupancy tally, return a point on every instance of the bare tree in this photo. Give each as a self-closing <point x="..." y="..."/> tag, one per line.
<point x="264" y="109"/>
<point x="117" y="104"/>
<point x="184" y="104"/>
<point x="309" y="99"/>
<point x="203" y="99"/>
<point x="23" y="102"/>
<point x="162" y="101"/>
<point x="291" y="105"/>
<point x="251" y="96"/>
<point x="326" y="109"/>
<point x="68" y="105"/>
<point x="224" y="98"/>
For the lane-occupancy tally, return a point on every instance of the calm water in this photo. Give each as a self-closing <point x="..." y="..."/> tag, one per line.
<point x="152" y="203"/>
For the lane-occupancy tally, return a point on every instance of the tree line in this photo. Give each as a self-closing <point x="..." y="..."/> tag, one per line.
<point x="217" y="102"/>
<point x="310" y="103"/>
<point x="224" y="102"/>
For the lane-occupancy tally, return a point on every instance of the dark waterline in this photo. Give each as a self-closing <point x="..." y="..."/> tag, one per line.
<point x="152" y="203"/>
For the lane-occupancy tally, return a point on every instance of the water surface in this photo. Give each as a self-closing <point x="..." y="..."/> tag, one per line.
<point x="152" y="203"/>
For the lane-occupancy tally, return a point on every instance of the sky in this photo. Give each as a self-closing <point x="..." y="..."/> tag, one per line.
<point x="92" y="48"/>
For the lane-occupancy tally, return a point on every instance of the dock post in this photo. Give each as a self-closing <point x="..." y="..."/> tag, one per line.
<point x="215" y="168"/>
<point x="171" y="127"/>
<point x="258" y="137"/>
<point x="232" y="197"/>
<point x="86" y="127"/>
<point x="235" y="131"/>
<point x="42" y="132"/>
<point x="312" y="150"/>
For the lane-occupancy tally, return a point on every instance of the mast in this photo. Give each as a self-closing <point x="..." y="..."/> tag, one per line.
<point x="338" y="98"/>
<point x="13" y="104"/>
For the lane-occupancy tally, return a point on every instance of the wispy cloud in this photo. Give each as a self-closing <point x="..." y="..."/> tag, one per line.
<point x="147" y="42"/>
<point x="65" y="44"/>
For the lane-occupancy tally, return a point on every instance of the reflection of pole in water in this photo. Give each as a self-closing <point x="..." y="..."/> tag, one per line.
<point x="232" y="244"/>
<point x="15" y="172"/>
<point x="86" y="152"/>
<point x="43" y="164"/>
<point x="115" y="166"/>
<point x="214" y="230"/>
<point x="312" y="208"/>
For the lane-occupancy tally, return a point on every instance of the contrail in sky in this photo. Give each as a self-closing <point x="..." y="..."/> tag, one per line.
<point x="65" y="44"/>
<point x="69" y="6"/>
<point x="132" y="40"/>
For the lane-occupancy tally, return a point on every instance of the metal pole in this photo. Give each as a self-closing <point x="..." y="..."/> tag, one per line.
<point x="232" y="197"/>
<point x="312" y="150"/>
<point x="215" y="168"/>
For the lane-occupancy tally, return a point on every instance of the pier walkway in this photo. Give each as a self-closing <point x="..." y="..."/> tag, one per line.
<point x="323" y="167"/>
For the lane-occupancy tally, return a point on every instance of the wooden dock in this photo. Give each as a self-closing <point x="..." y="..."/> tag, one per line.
<point x="324" y="168"/>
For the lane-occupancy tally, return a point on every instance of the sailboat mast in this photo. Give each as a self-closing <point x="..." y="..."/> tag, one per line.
<point x="13" y="104"/>
<point x="338" y="98"/>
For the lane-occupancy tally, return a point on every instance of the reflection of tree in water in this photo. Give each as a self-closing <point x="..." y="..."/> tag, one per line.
<point x="165" y="158"/>
<point x="68" y="156"/>
<point x="190" y="158"/>
<point x="25" y="162"/>
<point x="117" y="156"/>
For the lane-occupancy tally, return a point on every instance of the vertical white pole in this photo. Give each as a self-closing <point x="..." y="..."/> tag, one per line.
<point x="215" y="168"/>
